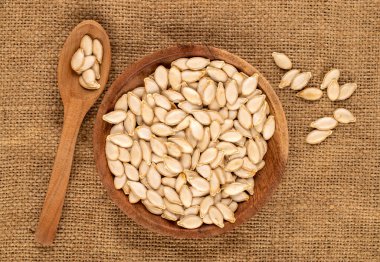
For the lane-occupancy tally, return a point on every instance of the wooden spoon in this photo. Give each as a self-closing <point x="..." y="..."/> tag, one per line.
<point x="76" y="101"/>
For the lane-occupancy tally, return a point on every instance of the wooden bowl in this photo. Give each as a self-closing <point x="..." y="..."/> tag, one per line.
<point x="265" y="181"/>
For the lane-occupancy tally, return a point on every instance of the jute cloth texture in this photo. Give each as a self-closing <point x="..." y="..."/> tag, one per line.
<point x="327" y="205"/>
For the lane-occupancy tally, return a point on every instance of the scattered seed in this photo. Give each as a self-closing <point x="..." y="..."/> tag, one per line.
<point x="324" y="123"/>
<point x="288" y="77"/>
<point x="346" y="91"/>
<point x="344" y="116"/>
<point x="300" y="81"/>
<point x="330" y="75"/>
<point x="282" y="61"/>
<point x="310" y="93"/>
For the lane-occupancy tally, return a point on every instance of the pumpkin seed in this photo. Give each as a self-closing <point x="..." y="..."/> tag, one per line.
<point x="136" y="154"/>
<point x="231" y="136"/>
<point x="232" y="92"/>
<point x="190" y="76"/>
<point x="310" y="93"/>
<point x="324" y="123"/>
<point x="227" y="213"/>
<point x="97" y="50"/>
<point x="269" y="128"/>
<point x="333" y="90"/>
<point x="202" y="117"/>
<point x="193" y="210"/>
<point x="300" y="81"/>
<point x="216" y="74"/>
<point x="115" y="117"/>
<point x="132" y="198"/>
<point x="77" y="60"/>
<point x="282" y="61"/>
<point x="288" y="77"/>
<point x="346" y="91"/>
<point x="344" y="116"/>
<point x="161" y="77"/>
<point x="153" y="177"/>
<point x="181" y="63"/>
<point x="197" y="63"/>
<point x="185" y="196"/>
<point x="174" y="208"/>
<point x="244" y="117"/>
<point x="190" y="222"/>
<point x="137" y="189"/>
<point x="112" y="151"/>
<point x="160" y="129"/>
<point x="173" y="96"/>
<point x="134" y="103"/>
<point x="249" y="85"/>
<point x="220" y="95"/>
<point x="122" y="103"/>
<point x="216" y="216"/>
<point x="330" y="75"/>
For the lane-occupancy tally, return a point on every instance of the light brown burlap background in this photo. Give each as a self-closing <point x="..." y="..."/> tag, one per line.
<point x="327" y="206"/>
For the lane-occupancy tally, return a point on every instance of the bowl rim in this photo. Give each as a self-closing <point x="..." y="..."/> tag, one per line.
<point x="133" y="210"/>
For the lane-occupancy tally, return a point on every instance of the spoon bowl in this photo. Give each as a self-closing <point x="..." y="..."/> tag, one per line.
<point x="266" y="180"/>
<point x="76" y="101"/>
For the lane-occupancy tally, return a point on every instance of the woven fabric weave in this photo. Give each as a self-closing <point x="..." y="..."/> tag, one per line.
<point x="327" y="206"/>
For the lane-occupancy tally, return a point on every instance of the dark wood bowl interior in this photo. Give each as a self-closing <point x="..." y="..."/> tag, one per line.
<point x="265" y="181"/>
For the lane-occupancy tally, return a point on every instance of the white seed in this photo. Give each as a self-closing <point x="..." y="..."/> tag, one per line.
<point x="136" y="154"/>
<point x="122" y="140"/>
<point x="241" y="129"/>
<point x="205" y="205"/>
<point x="317" y="136"/>
<point x="253" y="151"/>
<point x="139" y="91"/>
<point x="130" y="123"/>
<point x="193" y="210"/>
<point x="232" y="136"/>
<point x="180" y="181"/>
<point x="227" y="125"/>
<point x="214" y="184"/>
<point x="195" y="158"/>
<point x="234" y="164"/>
<point x="244" y="117"/>
<point x="183" y="144"/>
<point x="204" y="171"/>
<point x="186" y="161"/>
<point x="132" y="198"/>
<point x="155" y="199"/>
<point x="144" y="132"/>
<point x="86" y="45"/>
<point x="181" y="63"/>
<point x="96" y="69"/>
<point x="97" y="50"/>
<point x="288" y="77"/>
<point x="330" y="75"/>
<point x="229" y="69"/>
<point x="192" y="96"/>
<point x="112" y="151"/>
<point x="169" y="215"/>
<point x="235" y="188"/>
<point x="88" y="62"/>
<point x="122" y="103"/>
<point x="126" y="189"/>
<point x="186" y="196"/>
<point x="134" y="103"/>
<point x="77" y="59"/>
<point x="227" y="213"/>
<point x="115" y="117"/>
<point x="310" y="93"/>
<point x="259" y="117"/>
<point x="344" y="116"/>
<point x="217" y="63"/>
<point x="300" y="81"/>
<point x="160" y="113"/>
<point x="162" y="101"/>
<point x="173" y="96"/>
<point x="255" y="103"/>
<point x="151" y="86"/>
<point x="238" y="103"/>
<point x="249" y="85"/>
<point x="215" y="116"/>
<point x="215" y="130"/>
<point x="242" y="197"/>
<point x="233" y="206"/>
<point x="172" y="164"/>
<point x="232" y="92"/>
<point x="151" y="208"/>
<point x="171" y="194"/>
<point x="282" y="61"/>
<point x="197" y="129"/>
<point x="175" y="78"/>
<point x="138" y="189"/>
<point x="216" y="74"/>
<point x="174" y="117"/>
<point x="191" y="76"/>
<point x="209" y="93"/>
<point x="174" y="208"/>
<point x="324" y="123"/>
<point x="153" y="177"/>
<point x="131" y="172"/>
<point x="190" y="222"/>
<point x="347" y="90"/>
<point x="223" y="113"/>
<point x="202" y="117"/>
<point x="227" y="147"/>
<point x="269" y="128"/>
<point x="143" y="170"/>
<point x="161" y="77"/>
<point x="147" y="113"/>
<point x="188" y="107"/>
<point x="161" y="168"/>
<point x="333" y="90"/>
<point x="169" y="182"/>
<point x="116" y="167"/>
<point x="207" y="220"/>
<point x="160" y="129"/>
<point x="208" y="156"/>
<point x="197" y="63"/>
<point x="216" y="216"/>
<point x="220" y="95"/>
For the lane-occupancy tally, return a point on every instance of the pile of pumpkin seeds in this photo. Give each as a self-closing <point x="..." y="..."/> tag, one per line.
<point x="299" y="80"/>
<point x="86" y="62"/>
<point x="189" y="142"/>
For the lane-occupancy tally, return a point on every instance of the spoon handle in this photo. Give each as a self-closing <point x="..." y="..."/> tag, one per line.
<point x="52" y="208"/>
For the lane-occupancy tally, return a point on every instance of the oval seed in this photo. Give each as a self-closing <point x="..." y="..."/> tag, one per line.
<point x="190" y="222"/>
<point x="171" y="194"/>
<point x="122" y="103"/>
<point x="136" y="154"/>
<point x="122" y="140"/>
<point x="183" y="144"/>
<point x="144" y="132"/>
<point x="209" y="93"/>
<point x="214" y="184"/>
<point x="244" y="117"/>
<point x="253" y="151"/>
<point x="162" y="101"/>
<point x="172" y="164"/>
<point x="193" y="210"/>
<point x="134" y="103"/>
<point x="317" y="136"/>
<point x="269" y="128"/>
<point x="346" y="91"/>
<point x="188" y="107"/>
<point x="163" y="170"/>
<point x="216" y="216"/>
<point x="233" y="206"/>
<point x="181" y="63"/>
<point x="124" y="155"/>
<point x="229" y="69"/>
<point x="217" y="63"/>
<point x="216" y="74"/>
<point x="173" y="96"/>
<point x="153" y="177"/>
<point x="192" y="96"/>
<point x="310" y="93"/>
<point x="112" y="151"/>
<point x="191" y="76"/>
<point x="255" y="103"/>
<point x="132" y="198"/>
<point x="197" y="63"/>
<point x="88" y="62"/>
<point x="220" y="95"/>
<point x="282" y="61"/>
<point x="161" y="77"/>
<point x="186" y="196"/>
<point x="151" y="208"/>
<point x="96" y="69"/>
<point x="175" y="78"/>
<point x="155" y="199"/>
<point x="174" y="208"/>
<point x="180" y="181"/>
<point x="231" y="136"/>
<point x="344" y="116"/>
<point x="130" y="123"/>
<point x="227" y="213"/>
<point x="115" y="117"/>
<point x="330" y="75"/>
<point x="204" y="171"/>
<point x="205" y="205"/>
<point x="249" y="85"/>
<point x="138" y="189"/>
<point x="173" y="149"/>
<point x="324" y="123"/>
<point x="195" y="158"/>
<point x="202" y="117"/>
<point x="131" y="172"/>
<point x="116" y="167"/>
<point x="208" y="156"/>
<point x="300" y="81"/>
<point x="160" y="129"/>
<point x="231" y="92"/>
<point x="186" y="161"/>
<point x="333" y="90"/>
<point x="219" y="160"/>
<point x="288" y="77"/>
<point x="215" y="130"/>
<point x="235" y="188"/>
<point x="147" y="113"/>
<point x="169" y="215"/>
<point x="97" y="50"/>
<point x="77" y="60"/>
<point x="143" y="170"/>
<point x="234" y="165"/>
<point x="86" y="45"/>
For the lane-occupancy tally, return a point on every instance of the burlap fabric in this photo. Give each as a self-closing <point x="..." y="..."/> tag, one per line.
<point x="327" y="206"/>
